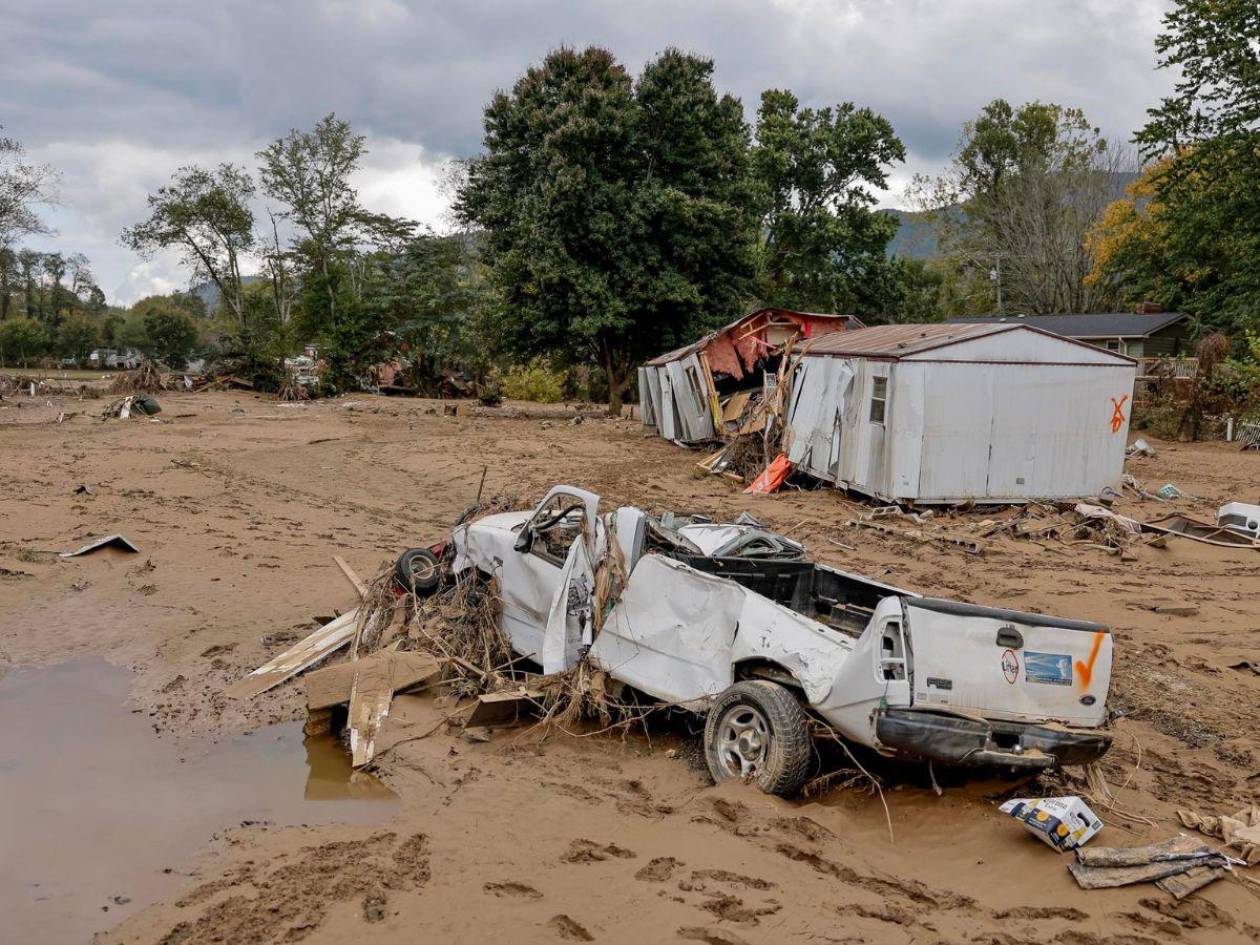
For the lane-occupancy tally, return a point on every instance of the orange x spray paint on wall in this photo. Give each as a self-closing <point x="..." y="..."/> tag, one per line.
<point x="1117" y="413"/>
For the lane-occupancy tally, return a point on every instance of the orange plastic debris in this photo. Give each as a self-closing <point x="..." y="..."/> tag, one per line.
<point x="771" y="477"/>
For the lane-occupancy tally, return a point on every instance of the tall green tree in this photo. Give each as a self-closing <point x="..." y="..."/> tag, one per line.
<point x="436" y="300"/>
<point x="170" y="336"/>
<point x="206" y="215"/>
<point x="1204" y="182"/>
<point x="1024" y="189"/>
<point x="78" y="335"/>
<point x="616" y="213"/>
<point x="21" y="339"/>
<point x="815" y="170"/>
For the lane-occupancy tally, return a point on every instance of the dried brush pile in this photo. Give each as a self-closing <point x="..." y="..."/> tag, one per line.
<point x="146" y="379"/>
<point x="292" y="389"/>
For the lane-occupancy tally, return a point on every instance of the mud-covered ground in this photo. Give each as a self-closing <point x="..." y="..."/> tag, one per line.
<point x="238" y="504"/>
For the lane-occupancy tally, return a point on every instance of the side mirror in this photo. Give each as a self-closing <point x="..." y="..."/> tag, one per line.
<point x="525" y="540"/>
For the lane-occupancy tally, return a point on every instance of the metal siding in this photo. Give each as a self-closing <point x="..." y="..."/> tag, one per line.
<point x="957" y="423"/>
<point x="667" y="416"/>
<point x="905" y="457"/>
<point x="1048" y="425"/>
<point x="1022" y="346"/>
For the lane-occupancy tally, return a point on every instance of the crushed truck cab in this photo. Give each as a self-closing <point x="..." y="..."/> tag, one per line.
<point x="731" y="619"/>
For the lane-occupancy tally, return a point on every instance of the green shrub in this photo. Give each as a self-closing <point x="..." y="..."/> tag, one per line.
<point x="535" y="381"/>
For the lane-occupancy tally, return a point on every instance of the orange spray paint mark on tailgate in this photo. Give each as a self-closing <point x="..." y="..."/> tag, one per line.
<point x="1117" y="413"/>
<point x="1085" y="671"/>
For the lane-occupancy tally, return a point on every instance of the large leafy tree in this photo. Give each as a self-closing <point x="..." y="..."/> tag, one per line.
<point x="78" y="335"/>
<point x="815" y="170"/>
<point x="24" y="187"/>
<point x="205" y="214"/>
<point x="616" y="213"/>
<point x="1017" y="203"/>
<point x="437" y="301"/>
<point x="21" y="338"/>
<point x="1202" y="190"/>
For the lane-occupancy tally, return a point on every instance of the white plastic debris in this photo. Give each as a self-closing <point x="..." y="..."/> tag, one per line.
<point x="1064" y="823"/>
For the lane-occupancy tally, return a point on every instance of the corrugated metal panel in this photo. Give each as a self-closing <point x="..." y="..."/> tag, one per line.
<point x="897" y="341"/>
<point x="978" y="343"/>
<point x="1101" y="325"/>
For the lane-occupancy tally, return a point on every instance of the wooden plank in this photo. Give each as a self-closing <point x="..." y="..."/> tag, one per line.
<point x="1107" y="877"/>
<point x="1183" y="884"/>
<point x="323" y="642"/>
<point x="504" y="708"/>
<point x="370" y="696"/>
<point x="354" y="578"/>
<point x="331" y="685"/>
<point x="734" y="408"/>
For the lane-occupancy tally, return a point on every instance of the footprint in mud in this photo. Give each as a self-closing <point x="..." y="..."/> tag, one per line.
<point x="734" y="909"/>
<point x="568" y="929"/>
<point x="696" y="933"/>
<point x="658" y="870"/>
<point x="810" y="829"/>
<point x="373" y="908"/>
<point x="588" y="851"/>
<point x="519" y="890"/>
<point x="1043" y="912"/>
<point x="734" y="879"/>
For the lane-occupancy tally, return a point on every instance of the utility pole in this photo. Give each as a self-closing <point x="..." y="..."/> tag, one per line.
<point x="995" y="276"/>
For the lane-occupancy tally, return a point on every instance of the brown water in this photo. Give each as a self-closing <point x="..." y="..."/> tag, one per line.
<point x="99" y="815"/>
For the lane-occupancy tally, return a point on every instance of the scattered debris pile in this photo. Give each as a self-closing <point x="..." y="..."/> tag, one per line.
<point x="1179" y="866"/>
<point x="124" y="408"/>
<point x="404" y="636"/>
<point x="146" y="379"/>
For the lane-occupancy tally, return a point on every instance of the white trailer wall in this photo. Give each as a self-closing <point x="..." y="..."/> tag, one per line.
<point x="1009" y="417"/>
<point x="1005" y="431"/>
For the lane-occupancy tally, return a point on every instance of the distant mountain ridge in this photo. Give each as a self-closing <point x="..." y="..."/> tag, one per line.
<point x="208" y="292"/>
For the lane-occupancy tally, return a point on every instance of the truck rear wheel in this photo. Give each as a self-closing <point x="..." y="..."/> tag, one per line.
<point x="757" y="732"/>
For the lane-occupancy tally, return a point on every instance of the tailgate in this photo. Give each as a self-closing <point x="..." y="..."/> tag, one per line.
<point x="1003" y="664"/>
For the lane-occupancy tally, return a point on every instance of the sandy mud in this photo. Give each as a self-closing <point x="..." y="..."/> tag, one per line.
<point x="238" y="504"/>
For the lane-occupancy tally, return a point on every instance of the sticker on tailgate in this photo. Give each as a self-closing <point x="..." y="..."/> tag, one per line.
<point x="1052" y="669"/>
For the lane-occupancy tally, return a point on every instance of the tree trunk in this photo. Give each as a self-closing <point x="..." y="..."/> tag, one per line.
<point x="618" y="382"/>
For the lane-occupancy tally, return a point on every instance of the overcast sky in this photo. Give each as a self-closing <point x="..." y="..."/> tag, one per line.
<point x="118" y="93"/>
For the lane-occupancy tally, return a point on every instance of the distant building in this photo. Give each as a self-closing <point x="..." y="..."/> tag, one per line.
<point x="1139" y="335"/>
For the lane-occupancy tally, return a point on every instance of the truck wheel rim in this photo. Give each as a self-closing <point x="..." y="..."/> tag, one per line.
<point x="743" y="738"/>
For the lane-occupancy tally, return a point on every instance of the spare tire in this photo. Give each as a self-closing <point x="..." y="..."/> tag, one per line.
<point x="418" y="570"/>
<point x="757" y="732"/>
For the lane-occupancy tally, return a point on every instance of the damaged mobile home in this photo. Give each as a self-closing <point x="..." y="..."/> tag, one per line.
<point x="699" y="392"/>
<point x="950" y="413"/>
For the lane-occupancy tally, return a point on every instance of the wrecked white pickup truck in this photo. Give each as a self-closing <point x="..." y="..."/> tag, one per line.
<point x="734" y="621"/>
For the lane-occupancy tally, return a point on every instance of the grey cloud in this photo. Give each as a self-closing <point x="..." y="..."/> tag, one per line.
<point x="207" y="78"/>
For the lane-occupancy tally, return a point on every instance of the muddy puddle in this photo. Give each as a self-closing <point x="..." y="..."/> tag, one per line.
<point x="100" y="816"/>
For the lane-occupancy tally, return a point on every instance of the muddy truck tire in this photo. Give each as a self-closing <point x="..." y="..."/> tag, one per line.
<point x="418" y="570"/>
<point x="757" y="732"/>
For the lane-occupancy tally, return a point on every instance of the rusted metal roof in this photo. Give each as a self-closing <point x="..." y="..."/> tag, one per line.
<point x="897" y="341"/>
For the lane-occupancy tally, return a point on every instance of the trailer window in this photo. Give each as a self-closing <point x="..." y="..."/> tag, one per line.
<point x="879" y="399"/>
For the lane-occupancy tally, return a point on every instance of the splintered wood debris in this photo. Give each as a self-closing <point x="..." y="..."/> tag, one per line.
<point x="323" y="642"/>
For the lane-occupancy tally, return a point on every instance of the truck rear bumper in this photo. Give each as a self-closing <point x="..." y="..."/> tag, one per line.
<point x="961" y="741"/>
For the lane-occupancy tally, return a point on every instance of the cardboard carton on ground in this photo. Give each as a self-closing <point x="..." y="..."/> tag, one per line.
<point x="1064" y="823"/>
